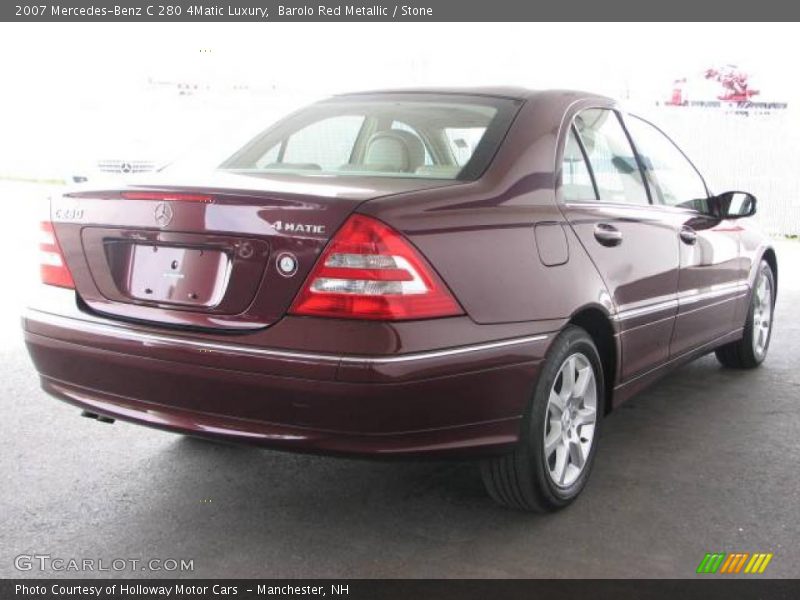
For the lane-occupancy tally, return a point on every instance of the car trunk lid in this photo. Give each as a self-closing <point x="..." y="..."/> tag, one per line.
<point x="227" y="252"/>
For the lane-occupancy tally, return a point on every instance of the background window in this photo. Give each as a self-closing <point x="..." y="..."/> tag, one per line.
<point x="615" y="169"/>
<point x="674" y="180"/>
<point x="269" y="157"/>
<point x="576" y="182"/>
<point x="463" y="141"/>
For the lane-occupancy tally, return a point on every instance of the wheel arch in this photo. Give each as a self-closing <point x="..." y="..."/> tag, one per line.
<point x="772" y="261"/>
<point x="598" y="324"/>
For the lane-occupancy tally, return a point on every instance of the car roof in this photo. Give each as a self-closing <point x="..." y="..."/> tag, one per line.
<point x="517" y="93"/>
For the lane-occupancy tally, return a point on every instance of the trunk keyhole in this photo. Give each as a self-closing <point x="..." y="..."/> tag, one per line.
<point x="174" y="264"/>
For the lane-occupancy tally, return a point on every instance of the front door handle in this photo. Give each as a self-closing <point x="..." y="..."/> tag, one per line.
<point x="607" y="235"/>
<point x="688" y="235"/>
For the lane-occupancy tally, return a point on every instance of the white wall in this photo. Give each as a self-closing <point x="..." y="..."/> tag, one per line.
<point x="73" y="93"/>
<point x="758" y="154"/>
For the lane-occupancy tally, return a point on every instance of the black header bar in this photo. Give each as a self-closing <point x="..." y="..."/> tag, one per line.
<point x="404" y="11"/>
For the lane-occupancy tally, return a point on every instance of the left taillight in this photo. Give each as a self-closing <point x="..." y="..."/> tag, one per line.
<point x="52" y="266"/>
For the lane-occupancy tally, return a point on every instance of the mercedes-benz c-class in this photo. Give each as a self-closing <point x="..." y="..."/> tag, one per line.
<point x="468" y="273"/>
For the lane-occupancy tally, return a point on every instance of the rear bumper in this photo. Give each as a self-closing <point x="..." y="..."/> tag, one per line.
<point x="464" y="400"/>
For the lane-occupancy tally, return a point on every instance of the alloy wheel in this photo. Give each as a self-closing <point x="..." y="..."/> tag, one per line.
<point x="762" y="314"/>
<point x="571" y="418"/>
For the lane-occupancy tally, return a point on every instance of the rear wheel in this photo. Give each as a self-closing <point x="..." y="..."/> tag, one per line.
<point x="751" y="350"/>
<point x="551" y="463"/>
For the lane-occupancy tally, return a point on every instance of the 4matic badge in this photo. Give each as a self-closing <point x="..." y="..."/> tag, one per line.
<point x="297" y="227"/>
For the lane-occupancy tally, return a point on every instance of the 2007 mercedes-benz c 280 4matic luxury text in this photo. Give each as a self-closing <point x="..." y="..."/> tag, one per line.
<point x="478" y="273"/>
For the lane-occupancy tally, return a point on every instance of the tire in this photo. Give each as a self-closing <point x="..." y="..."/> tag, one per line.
<point x="525" y="478"/>
<point x="750" y="351"/>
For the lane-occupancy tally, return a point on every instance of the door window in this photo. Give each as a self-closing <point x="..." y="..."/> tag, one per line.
<point x="576" y="180"/>
<point x="611" y="157"/>
<point x="673" y="179"/>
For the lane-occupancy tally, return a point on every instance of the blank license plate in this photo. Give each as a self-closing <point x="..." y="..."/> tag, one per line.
<point x="167" y="274"/>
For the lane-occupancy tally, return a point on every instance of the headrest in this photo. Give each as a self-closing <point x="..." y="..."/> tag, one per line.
<point x="395" y="151"/>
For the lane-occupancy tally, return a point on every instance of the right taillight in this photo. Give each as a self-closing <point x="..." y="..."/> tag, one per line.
<point x="370" y="271"/>
<point x="52" y="267"/>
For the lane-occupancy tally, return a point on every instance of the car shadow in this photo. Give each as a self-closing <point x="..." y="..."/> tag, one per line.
<point x="218" y="473"/>
<point x="298" y="513"/>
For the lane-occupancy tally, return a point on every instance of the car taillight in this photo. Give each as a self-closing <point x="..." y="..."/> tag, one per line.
<point x="52" y="266"/>
<point x="370" y="271"/>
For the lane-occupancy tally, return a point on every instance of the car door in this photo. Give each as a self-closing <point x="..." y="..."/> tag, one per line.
<point x="635" y="249"/>
<point x="709" y="283"/>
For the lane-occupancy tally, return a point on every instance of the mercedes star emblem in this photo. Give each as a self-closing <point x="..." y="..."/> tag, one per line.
<point x="163" y="214"/>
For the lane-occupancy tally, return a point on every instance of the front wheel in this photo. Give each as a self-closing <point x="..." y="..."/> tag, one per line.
<point x="551" y="463"/>
<point x="751" y="350"/>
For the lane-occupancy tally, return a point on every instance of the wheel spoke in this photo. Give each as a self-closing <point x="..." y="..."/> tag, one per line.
<point x="557" y="402"/>
<point x="577" y="455"/>
<point x="553" y="439"/>
<point x="560" y="468"/>
<point x="585" y="377"/>
<point x="568" y="378"/>
<point x="586" y="416"/>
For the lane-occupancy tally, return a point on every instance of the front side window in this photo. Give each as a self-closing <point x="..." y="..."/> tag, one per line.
<point x="673" y="179"/>
<point x="611" y="157"/>
<point x="441" y="136"/>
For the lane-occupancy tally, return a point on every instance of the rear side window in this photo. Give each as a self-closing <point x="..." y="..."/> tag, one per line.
<point x="673" y="179"/>
<point x="576" y="181"/>
<point x="611" y="157"/>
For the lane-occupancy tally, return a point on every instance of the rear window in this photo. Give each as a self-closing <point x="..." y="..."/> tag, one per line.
<point x="436" y="136"/>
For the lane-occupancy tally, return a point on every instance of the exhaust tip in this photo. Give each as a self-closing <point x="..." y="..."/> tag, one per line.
<point x="96" y="417"/>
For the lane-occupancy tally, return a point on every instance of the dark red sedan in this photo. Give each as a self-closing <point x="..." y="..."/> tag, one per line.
<point x="480" y="273"/>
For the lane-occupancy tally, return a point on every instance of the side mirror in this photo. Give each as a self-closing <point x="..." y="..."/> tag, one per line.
<point x="733" y="205"/>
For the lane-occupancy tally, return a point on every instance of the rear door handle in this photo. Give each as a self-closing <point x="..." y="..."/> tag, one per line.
<point x="688" y="235"/>
<point x="607" y="235"/>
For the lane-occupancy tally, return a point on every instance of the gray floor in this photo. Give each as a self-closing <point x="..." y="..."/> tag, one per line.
<point x="707" y="460"/>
